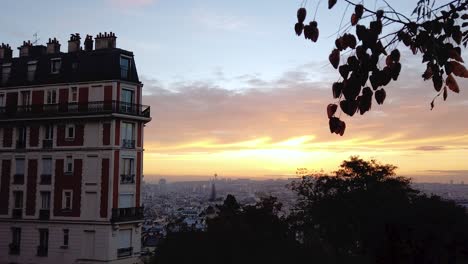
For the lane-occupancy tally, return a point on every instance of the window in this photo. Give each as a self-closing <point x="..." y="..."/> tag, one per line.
<point x="124" y="67"/>
<point x="127" y="101"/>
<point x="25" y="98"/>
<point x="73" y="94"/>
<point x="127" y="131"/>
<point x="66" y="233"/>
<point x="126" y="200"/>
<point x="43" y="242"/>
<point x="19" y="166"/>
<point x="69" y="164"/>
<point x="49" y="132"/>
<point x="45" y="200"/>
<point x="55" y="65"/>
<point x="51" y="97"/>
<point x="2" y="99"/>
<point x="15" y="240"/>
<point x="47" y="166"/>
<point x="125" y="243"/>
<point x="21" y="136"/>
<point x="31" y="70"/>
<point x="18" y="199"/>
<point x="67" y="200"/>
<point x="127" y="166"/>
<point x="6" y="70"/>
<point x="70" y="132"/>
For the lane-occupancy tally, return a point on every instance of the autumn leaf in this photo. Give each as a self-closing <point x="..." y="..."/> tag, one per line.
<point x="458" y="69"/>
<point x="331" y="3"/>
<point x="331" y="110"/>
<point x="301" y="15"/>
<point x="452" y="84"/>
<point x="380" y="96"/>
<point x="334" y="58"/>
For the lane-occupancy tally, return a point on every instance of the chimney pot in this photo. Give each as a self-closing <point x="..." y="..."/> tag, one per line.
<point x="53" y="46"/>
<point x="74" y="43"/>
<point x="6" y="52"/>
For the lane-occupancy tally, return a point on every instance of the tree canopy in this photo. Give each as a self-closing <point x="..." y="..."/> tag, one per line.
<point x="367" y="57"/>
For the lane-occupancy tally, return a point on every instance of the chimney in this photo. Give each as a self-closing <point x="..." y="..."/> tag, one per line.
<point x="5" y="52"/>
<point x="88" y="43"/>
<point x="74" y="43"/>
<point x="53" y="46"/>
<point x="105" y="41"/>
<point x="25" y="49"/>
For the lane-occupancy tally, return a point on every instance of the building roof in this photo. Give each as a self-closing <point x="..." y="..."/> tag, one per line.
<point x="80" y="66"/>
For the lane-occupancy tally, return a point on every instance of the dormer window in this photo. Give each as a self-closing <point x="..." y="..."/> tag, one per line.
<point x="32" y="65"/>
<point x="125" y="64"/>
<point x="55" y="65"/>
<point x="6" y="70"/>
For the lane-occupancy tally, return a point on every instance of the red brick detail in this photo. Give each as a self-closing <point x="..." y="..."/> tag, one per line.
<point x="37" y="100"/>
<point x="138" y="178"/>
<point x="5" y="186"/>
<point x="106" y="135"/>
<point x="139" y="134"/>
<point x="31" y="187"/>
<point x="104" y="187"/>
<point x="68" y="182"/>
<point x="118" y="91"/>
<point x="63" y="99"/>
<point x="11" y="102"/>
<point x="108" y="97"/>
<point x="83" y="98"/>
<point x="115" y="186"/>
<point x="138" y="92"/>
<point x="7" y="137"/>
<point x="117" y="133"/>
<point x="34" y="136"/>
<point x="77" y="141"/>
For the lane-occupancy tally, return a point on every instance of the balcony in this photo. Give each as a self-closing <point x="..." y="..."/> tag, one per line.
<point x="17" y="213"/>
<point x="44" y="214"/>
<point x="18" y="179"/>
<point x="69" y="109"/>
<point x="128" y="143"/>
<point x="42" y="251"/>
<point x="127" y="214"/>
<point x="14" y="249"/>
<point x="46" y="179"/>
<point x="47" y="143"/>
<point x="127" y="179"/>
<point x="124" y="252"/>
<point x="20" y="144"/>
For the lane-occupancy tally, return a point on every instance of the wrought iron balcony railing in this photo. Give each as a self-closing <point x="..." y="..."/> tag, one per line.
<point x="128" y="143"/>
<point x="124" y="252"/>
<point x="14" y="249"/>
<point x="127" y="178"/>
<point x="42" y="251"/>
<point x="44" y="214"/>
<point x="67" y="109"/>
<point x="18" y="179"/>
<point x="17" y="213"/>
<point x="127" y="214"/>
<point x="46" y="179"/>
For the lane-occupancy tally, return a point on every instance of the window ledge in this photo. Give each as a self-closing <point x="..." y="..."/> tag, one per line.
<point x="69" y="139"/>
<point x="63" y="247"/>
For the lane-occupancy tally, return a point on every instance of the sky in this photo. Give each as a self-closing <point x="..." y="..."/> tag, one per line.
<point x="233" y="91"/>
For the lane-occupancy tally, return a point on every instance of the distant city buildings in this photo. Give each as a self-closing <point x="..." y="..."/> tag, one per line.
<point x="71" y="153"/>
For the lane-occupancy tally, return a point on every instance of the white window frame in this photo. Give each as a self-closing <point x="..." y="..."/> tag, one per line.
<point x="21" y="201"/>
<point x="45" y="200"/>
<point x="22" y="168"/>
<point x="67" y="129"/>
<point x="5" y="72"/>
<point x="53" y="95"/>
<point x="44" y="172"/>
<point x="64" y="200"/>
<point x="68" y="161"/>
<point x="53" y="69"/>
<point x="49" y="132"/>
<point x="129" y="59"/>
<point x="73" y="100"/>
<point x="21" y="99"/>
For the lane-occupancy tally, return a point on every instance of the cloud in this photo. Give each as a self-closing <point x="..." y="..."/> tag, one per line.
<point x="214" y="19"/>
<point x="430" y="148"/>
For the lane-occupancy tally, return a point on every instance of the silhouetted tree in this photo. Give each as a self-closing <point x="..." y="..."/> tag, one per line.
<point x="365" y="214"/>
<point x="436" y="32"/>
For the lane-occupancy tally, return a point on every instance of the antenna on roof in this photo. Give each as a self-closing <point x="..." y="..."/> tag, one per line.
<point x="36" y="38"/>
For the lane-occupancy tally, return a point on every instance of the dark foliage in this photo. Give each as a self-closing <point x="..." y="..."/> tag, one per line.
<point x="362" y="214"/>
<point x="437" y="33"/>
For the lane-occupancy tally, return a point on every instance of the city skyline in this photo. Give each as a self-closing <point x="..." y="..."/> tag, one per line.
<point x="233" y="91"/>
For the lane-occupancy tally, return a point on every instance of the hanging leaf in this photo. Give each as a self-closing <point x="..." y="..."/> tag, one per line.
<point x="331" y="110"/>
<point x="359" y="10"/>
<point x="349" y="107"/>
<point x="301" y="15"/>
<point x="314" y="31"/>
<point x="380" y="96"/>
<point x="452" y="84"/>
<point x="331" y="3"/>
<point x="437" y="81"/>
<point x="298" y="28"/>
<point x="334" y="124"/>
<point x="454" y="53"/>
<point x="458" y="69"/>
<point x="395" y="54"/>
<point x="337" y="89"/>
<point x="344" y="71"/>
<point x="354" y="19"/>
<point x="445" y="93"/>
<point x="334" y="58"/>
<point x="395" y="69"/>
<point x="428" y="73"/>
<point x="341" y="128"/>
<point x="379" y="14"/>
